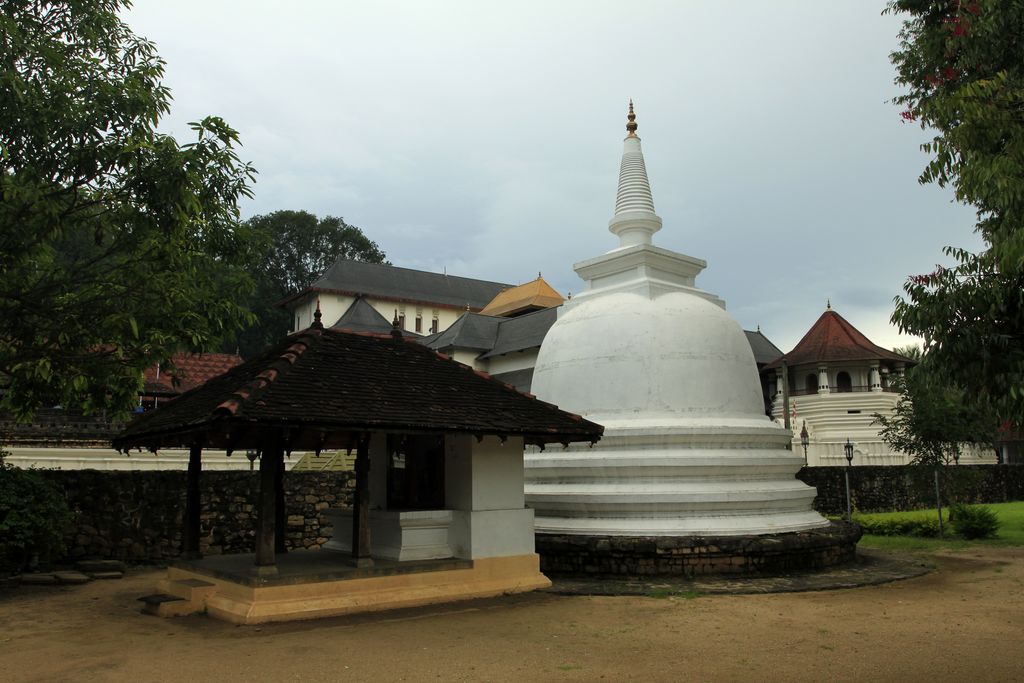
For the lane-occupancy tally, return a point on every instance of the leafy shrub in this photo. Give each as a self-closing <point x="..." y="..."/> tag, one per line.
<point x="975" y="521"/>
<point x="33" y="516"/>
<point x="925" y="527"/>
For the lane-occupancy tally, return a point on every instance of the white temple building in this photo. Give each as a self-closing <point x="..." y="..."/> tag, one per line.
<point x="687" y="447"/>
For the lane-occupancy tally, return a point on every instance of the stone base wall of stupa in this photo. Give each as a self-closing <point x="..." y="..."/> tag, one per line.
<point x="689" y="556"/>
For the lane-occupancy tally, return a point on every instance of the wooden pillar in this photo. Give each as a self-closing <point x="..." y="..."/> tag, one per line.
<point x="193" y="505"/>
<point x="280" y="509"/>
<point x="266" y="515"/>
<point x="361" y="506"/>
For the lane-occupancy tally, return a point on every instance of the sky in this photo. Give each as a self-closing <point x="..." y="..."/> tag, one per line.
<point x="483" y="139"/>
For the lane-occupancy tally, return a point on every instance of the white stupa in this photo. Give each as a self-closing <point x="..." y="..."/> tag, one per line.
<point x="687" y="448"/>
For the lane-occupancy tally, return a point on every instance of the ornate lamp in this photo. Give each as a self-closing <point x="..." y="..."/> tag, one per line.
<point x="848" y="450"/>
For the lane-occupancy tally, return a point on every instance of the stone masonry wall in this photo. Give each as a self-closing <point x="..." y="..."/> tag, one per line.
<point x="137" y="516"/>
<point x="883" y="488"/>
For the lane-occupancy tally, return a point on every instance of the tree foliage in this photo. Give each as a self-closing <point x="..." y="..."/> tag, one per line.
<point x="33" y="517"/>
<point x="292" y="250"/>
<point x="963" y="66"/>
<point x="932" y="420"/>
<point x="118" y="245"/>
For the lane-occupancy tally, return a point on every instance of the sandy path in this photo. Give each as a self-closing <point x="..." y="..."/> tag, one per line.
<point x="961" y="623"/>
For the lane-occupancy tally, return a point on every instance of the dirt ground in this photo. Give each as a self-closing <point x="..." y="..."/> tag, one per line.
<point x="963" y="622"/>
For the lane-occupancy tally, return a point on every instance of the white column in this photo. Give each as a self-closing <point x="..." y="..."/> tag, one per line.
<point x="778" y="383"/>
<point x="823" y="380"/>
<point x="876" y="379"/>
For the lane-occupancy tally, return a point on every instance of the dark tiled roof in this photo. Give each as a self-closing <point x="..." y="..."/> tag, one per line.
<point x="362" y="317"/>
<point x="524" y="332"/>
<point x="764" y="350"/>
<point x="190" y="370"/>
<point x="322" y="382"/>
<point x="404" y="284"/>
<point x="833" y="339"/>
<point x="470" y="331"/>
<point x="522" y="380"/>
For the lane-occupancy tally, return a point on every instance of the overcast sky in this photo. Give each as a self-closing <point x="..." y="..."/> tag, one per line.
<point x="484" y="137"/>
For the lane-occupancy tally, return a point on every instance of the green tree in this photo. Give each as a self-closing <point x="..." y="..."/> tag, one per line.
<point x="932" y="421"/>
<point x="293" y="249"/>
<point x="963" y="66"/>
<point x="118" y="245"/>
<point x="911" y="351"/>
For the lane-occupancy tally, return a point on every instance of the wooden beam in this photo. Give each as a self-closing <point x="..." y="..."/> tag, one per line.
<point x="280" y="510"/>
<point x="361" y="506"/>
<point x="265" y="513"/>
<point x="193" y="505"/>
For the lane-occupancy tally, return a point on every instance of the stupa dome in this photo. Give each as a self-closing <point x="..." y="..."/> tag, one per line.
<point x="676" y="359"/>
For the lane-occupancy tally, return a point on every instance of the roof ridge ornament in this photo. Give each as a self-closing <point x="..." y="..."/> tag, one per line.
<point x="396" y="330"/>
<point x="317" y="316"/>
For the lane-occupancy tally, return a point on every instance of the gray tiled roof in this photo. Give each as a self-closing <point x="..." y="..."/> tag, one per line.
<point x="764" y="350"/>
<point x="496" y="336"/>
<point x="522" y="380"/>
<point x="523" y="332"/>
<point x="470" y="331"/>
<point x="391" y="282"/>
<point x="362" y="317"/>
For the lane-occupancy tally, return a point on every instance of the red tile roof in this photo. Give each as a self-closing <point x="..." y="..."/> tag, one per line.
<point x="190" y="370"/>
<point x="833" y="339"/>
<point x="319" y="383"/>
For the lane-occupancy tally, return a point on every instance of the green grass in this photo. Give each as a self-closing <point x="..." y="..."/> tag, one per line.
<point x="1011" y="531"/>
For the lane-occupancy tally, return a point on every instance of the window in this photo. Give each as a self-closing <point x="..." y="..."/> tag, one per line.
<point x="433" y="326"/>
<point x="811" y="383"/>
<point x="401" y="321"/>
<point x="843" y="382"/>
<point x="419" y="324"/>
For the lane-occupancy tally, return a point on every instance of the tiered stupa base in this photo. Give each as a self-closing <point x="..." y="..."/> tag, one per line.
<point x="682" y="501"/>
<point x="689" y="556"/>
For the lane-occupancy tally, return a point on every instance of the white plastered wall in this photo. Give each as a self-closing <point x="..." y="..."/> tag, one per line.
<point x="484" y="489"/>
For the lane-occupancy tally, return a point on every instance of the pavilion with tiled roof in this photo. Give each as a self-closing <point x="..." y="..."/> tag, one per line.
<point x="833" y="339"/>
<point x="455" y="434"/>
<point x="834" y="381"/>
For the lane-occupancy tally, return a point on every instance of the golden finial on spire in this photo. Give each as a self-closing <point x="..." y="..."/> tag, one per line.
<point x="631" y="126"/>
<point x="828" y="304"/>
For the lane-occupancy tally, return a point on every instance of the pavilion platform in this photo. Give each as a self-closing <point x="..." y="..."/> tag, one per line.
<point x="309" y="584"/>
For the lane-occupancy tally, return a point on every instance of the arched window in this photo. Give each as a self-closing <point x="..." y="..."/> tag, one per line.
<point x="811" y="383"/>
<point x="843" y="382"/>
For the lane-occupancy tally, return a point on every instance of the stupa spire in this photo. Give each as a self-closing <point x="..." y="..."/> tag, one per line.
<point x="634" y="220"/>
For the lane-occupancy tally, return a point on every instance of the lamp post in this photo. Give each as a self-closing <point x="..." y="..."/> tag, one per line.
<point x="804" y="440"/>
<point x="252" y="455"/>
<point x="848" y="450"/>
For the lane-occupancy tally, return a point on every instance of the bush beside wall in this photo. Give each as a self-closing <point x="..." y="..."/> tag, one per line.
<point x="880" y="488"/>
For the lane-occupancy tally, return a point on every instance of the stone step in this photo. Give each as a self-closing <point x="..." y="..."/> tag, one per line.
<point x="71" y="578"/>
<point x="166" y="605"/>
<point x="106" y="575"/>
<point x="193" y="590"/>
<point x="39" y="579"/>
<point x="93" y="566"/>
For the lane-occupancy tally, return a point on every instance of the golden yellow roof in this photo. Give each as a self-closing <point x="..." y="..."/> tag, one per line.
<point x="531" y="296"/>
